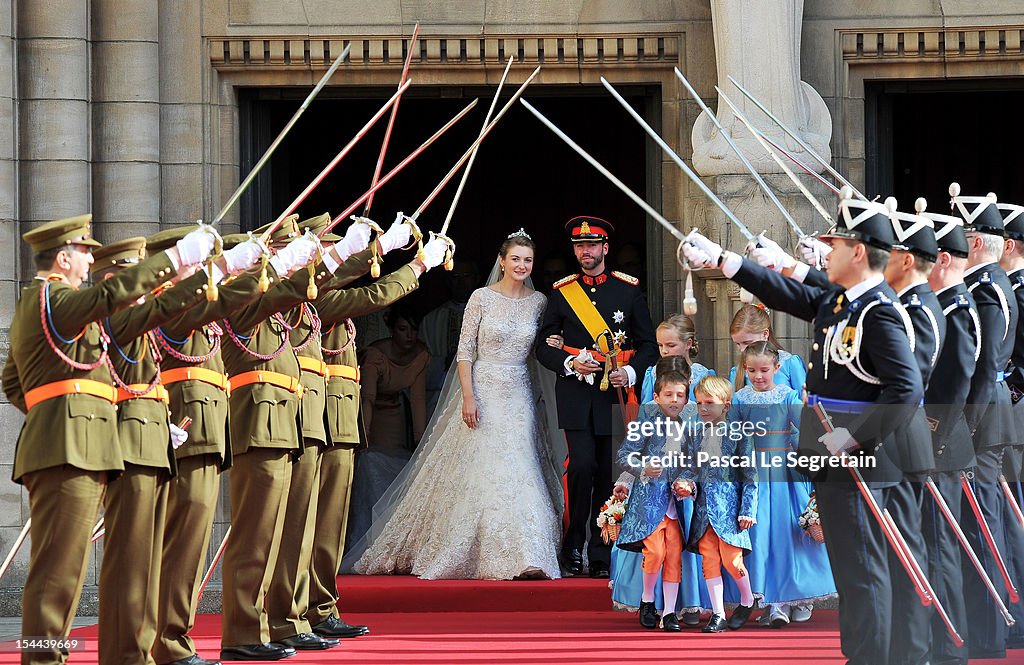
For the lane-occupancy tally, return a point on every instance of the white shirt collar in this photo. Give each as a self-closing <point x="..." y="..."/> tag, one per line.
<point x="912" y="286"/>
<point x="944" y="289"/>
<point x="859" y="289"/>
<point x="974" y="269"/>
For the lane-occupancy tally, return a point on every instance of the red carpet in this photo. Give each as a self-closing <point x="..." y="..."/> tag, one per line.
<point x="563" y="621"/>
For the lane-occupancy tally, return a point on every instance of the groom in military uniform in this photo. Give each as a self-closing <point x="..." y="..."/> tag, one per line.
<point x="589" y="310"/>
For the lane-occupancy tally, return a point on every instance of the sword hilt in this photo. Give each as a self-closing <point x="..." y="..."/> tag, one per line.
<point x="449" y="260"/>
<point x="374" y="252"/>
<point x="417" y="234"/>
<point x="211" y="286"/>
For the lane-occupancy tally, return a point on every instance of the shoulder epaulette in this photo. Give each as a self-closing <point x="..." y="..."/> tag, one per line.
<point x="882" y="298"/>
<point x="565" y="280"/>
<point x="985" y="278"/>
<point x="914" y="301"/>
<point x="628" y="279"/>
<point x="962" y="302"/>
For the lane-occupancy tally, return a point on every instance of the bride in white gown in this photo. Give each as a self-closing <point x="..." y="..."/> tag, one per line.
<point x="482" y="497"/>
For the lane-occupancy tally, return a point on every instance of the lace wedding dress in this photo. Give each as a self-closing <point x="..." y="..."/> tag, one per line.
<point x="480" y="503"/>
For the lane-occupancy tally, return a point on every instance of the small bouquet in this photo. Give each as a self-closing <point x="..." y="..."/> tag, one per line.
<point x="810" y="521"/>
<point x="610" y="519"/>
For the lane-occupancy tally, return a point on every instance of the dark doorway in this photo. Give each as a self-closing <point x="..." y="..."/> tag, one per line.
<point x="923" y="135"/>
<point x="523" y="176"/>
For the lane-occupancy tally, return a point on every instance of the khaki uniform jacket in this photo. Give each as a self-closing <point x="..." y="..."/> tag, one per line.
<point x="79" y="430"/>
<point x="335" y="307"/>
<point x="265" y="415"/>
<point x="142" y="424"/>
<point x="191" y="335"/>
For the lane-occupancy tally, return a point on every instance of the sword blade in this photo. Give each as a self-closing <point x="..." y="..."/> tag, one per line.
<point x="1014" y="506"/>
<point x="654" y="214"/>
<point x="986" y="532"/>
<point x="739" y="153"/>
<point x="213" y="564"/>
<point x="237" y="194"/>
<point x="401" y="165"/>
<point x="762" y="141"/>
<point x="391" y="120"/>
<point x="472" y="158"/>
<point x="473" y="147"/>
<point x="793" y="135"/>
<point x="334" y="162"/>
<point x="18" y="542"/>
<point x="966" y="546"/>
<point x="680" y="163"/>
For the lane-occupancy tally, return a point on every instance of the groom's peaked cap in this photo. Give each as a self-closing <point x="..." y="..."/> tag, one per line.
<point x="585" y="228"/>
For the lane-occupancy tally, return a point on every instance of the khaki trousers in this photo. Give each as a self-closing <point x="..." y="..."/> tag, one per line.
<point x="134" y="514"/>
<point x="63" y="503"/>
<point x="191" y="505"/>
<point x="259" y="481"/>
<point x="336" y="467"/>
<point x="289" y="589"/>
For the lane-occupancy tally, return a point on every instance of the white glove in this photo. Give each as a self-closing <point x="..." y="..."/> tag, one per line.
<point x="433" y="252"/>
<point x="769" y="254"/>
<point x="196" y="246"/>
<point x="356" y="239"/>
<point x="700" y="251"/>
<point x="244" y="255"/>
<point x="397" y="236"/>
<point x="812" y="250"/>
<point x="838" y="441"/>
<point x="585" y="356"/>
<point x="295" y="254"/>
<point x="178" y="436"/>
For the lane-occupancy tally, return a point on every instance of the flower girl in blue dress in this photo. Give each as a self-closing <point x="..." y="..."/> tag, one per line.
<point x="787" y="568"/>
<point x="677" y="336"/>
<point x="753" y="323"/>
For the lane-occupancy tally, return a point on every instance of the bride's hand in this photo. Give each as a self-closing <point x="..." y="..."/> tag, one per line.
<point x="470" y="413"/>
<point x="556" y="341"/>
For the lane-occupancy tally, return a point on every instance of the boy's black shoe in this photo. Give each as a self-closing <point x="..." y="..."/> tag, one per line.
<point x="691" y="619"/>
<point x="670" y="623"/>
<point x="599" y="570"/>
<point x="572" y="562"/>
<point x="648" y="615"/>
<point x="740" y="616"/>
<point x="716" y="624"/>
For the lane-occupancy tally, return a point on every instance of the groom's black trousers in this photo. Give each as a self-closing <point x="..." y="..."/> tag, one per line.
<point x="590" y="484"/>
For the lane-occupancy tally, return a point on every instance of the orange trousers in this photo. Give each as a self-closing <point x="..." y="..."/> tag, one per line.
<point x="717" y="553"/>
<point x="663" y="550"/>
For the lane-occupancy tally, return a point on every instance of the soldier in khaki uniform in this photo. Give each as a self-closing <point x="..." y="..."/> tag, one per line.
<point x="68" y="446"/>
<point x="336" y="463"/>
<point x="264" y="402"/>
<point x="135" y="502"/>
<point x="290" y="589"/>
<point x="193" y="373"/>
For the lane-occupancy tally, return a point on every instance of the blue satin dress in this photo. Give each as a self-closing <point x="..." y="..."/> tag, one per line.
<point x="786" y="566"/>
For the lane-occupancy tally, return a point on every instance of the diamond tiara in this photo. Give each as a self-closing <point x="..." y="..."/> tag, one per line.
<point x="521" y="233"/>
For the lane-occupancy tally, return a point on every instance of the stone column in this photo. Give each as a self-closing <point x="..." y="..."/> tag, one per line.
<point x="13" y="497"/>
<point x="183" y="116"/>
<point x="53" y="109"/>
<point x="125" y="118"/>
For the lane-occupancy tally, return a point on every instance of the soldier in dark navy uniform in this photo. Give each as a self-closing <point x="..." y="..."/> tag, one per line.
<point x="862" y="369"/>
<point x="914" y="252"/>
<point x="580" y="308"/>
<point x="1013" y="456"/>
<point x="945" y="399"/>
<point x="988" y="406"/>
